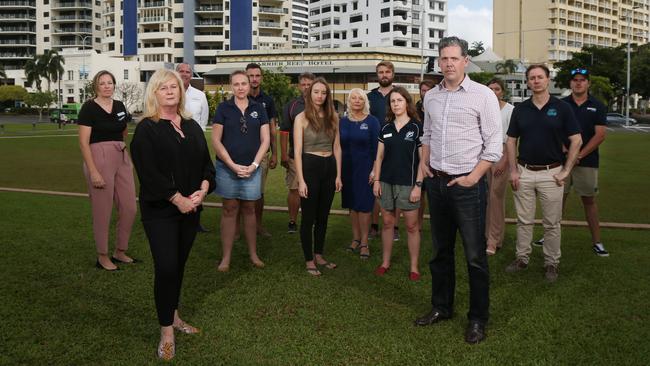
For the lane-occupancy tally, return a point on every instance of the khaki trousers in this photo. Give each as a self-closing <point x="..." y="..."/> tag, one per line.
<point x="539" y="184"/>
<point x="495" y="220"/>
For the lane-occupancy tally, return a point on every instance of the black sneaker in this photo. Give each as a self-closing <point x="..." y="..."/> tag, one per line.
<point x="600" y="251"/>
<point x="292" y="228"/>
<point x="396" y="234"/>
<point x="539" y="243"/>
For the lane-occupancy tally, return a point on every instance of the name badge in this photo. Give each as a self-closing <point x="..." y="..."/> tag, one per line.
<point x="388" y="135"/>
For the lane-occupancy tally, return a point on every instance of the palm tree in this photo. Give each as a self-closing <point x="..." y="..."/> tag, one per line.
<point x="44" y="62"/>
<point x="54" y="69"/>
<point x="34" y="71"/>
<point x="506" y="67"/>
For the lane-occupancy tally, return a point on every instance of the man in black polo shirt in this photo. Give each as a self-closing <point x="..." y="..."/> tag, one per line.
<point x="541" y="124"/>
<point x="254" y="72"/>
<point x="592" y="117"/>
<point x="289" y="113"/>
<point x="378" y="100"/>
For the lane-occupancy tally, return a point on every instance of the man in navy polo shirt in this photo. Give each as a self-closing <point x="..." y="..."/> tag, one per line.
<point x="254" y="72"/>
<point x="541" y="124"/>
<point x="378" y="100"/>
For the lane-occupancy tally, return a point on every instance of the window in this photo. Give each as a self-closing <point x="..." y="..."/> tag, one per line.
<point x="46" y="39"/>
<point x="415" y="30"/>
<point x="416" y="15"/>
<point x="355" y="33"/>
<point x="355" y="5"/>
<point x="356" y="18"/>
<point x="126" y="74"/>
<point x="46" y="26"/>
<point x="46" y="14"/>
<point x="70" y="75"/>
<point x="385" y="27"/>
<point x="385" y="12"/>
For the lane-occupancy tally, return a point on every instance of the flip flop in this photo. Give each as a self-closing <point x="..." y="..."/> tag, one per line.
<point x="328" y="265"/>
<point x="314" y="272"/>
<point x="363" y="256"/>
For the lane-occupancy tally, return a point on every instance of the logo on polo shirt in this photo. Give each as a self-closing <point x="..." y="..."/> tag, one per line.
<point x="409" y="136"/>
<point x="364" y="126"/>
<point x="254" y="114"/>
<point x="591" y="109"/>
<point x="552" y="112"/>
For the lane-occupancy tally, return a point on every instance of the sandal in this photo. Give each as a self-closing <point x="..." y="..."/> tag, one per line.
<point x="364" y="255"/>
<point x="186" y="328"/>
<point x="166" y="351"/>
<point x="352" y="248"/>
<point x="314" y="272"/>
<point x="328" y="265"/>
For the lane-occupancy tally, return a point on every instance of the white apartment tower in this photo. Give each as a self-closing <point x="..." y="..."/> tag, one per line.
<point x="378" y="23"/>
<point x="300" y="23"/>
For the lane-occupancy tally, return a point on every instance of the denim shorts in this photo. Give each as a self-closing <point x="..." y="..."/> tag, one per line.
<point x="230" y="186"/>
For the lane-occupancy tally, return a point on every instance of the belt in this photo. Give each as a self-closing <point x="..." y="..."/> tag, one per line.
<point x="539" y="167"/>
<point x="441" y="174"/>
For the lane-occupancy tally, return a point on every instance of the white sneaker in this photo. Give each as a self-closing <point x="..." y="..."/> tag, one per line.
<point x="600" y="251"/>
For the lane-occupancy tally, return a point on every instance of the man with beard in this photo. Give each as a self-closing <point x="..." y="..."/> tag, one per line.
<point x="378" y="104"/>
<point x="197" y="104"/>
<point x="289" y="113"/>
<point x="254" y="72"/>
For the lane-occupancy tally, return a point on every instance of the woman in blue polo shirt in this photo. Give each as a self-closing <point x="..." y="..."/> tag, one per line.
<point x="240" y="137"/>
<point x="399" y="183"/>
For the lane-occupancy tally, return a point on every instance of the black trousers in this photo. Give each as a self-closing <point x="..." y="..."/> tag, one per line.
<point x="320" y="175"/>
<point x="458" y="209"/>
<point x="170" y="241"/>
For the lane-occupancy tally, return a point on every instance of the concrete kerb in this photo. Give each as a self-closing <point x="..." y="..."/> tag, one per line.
<point x="573" y="223"/>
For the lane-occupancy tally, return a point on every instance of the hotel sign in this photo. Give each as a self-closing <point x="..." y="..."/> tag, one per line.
<point x="298" y="63"/>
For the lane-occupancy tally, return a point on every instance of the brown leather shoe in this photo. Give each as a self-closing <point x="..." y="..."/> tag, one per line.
<point x="475" y="332"/>
<point x="431" y="317"/>
<point x="516" y="266"/>
<point x="551" y="273"/>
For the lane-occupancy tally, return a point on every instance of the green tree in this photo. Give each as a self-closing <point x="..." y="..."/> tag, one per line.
<point x="278" y="85"/>
<point x="34" y="71"/>
<point x="54" y="69"/>
<point x="481" y="77"/>
<point x="12" y="92"/>
<point x="506" y="67"/>
<point x="476" y="49"/>
<point x="601" y="89"/>
<point x="601" y="61"/>
<point x="213" y="102"/>
<point x="40" y="100"/>
<point x="639" y="69"/>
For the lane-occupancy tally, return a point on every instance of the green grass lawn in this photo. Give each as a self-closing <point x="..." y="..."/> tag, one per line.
<point x="57" y="309"/>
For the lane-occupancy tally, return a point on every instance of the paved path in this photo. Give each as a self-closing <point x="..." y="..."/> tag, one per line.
<point x="608" y="225"/>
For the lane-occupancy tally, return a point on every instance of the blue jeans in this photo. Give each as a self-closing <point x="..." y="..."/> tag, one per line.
<point x="453" y="209"/>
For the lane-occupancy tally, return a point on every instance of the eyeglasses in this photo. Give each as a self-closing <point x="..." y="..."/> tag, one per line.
<point x="579" y="72"/>
<point x="243" y="127"/>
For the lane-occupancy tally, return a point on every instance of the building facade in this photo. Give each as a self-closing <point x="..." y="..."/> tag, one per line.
<point x="552" y="30"/>
<point x="411" y="24"/>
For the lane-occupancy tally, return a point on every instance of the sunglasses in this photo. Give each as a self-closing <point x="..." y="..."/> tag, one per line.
<point x="579" y="72"/>
<point x="243" y="127"/>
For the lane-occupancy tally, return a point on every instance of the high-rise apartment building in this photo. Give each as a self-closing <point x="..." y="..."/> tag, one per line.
<point x="170" y="31"/>
<point x="378" y="23"/>
<point x="552" y="30"/>
<point x="300" y="23"/>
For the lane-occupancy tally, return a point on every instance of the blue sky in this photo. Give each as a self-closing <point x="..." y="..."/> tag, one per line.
<point x="471" y="20"/>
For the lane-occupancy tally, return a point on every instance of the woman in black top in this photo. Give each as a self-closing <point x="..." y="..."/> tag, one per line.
<point x="173" y="163"/>
<point x="108" y="169"/>
<point x="400" y="179"/>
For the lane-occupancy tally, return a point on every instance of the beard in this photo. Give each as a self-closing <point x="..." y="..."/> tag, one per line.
<point x="385" y="82"/>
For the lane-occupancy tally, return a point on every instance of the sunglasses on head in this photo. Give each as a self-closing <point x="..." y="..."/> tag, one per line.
<point x="579" y="72"/>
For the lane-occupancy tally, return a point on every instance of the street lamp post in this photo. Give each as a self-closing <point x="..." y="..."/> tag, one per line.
<point x="627" y="87"/>
<point x="83" y="64"/>
<point x="422" y="30"/>
<point x="334" y="85"/>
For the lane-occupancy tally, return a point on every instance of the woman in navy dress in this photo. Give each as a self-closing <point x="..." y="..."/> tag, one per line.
<point x="359" y="131"/>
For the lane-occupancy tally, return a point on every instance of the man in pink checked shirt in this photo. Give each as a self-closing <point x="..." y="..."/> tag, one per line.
<point x="462" y="139"/>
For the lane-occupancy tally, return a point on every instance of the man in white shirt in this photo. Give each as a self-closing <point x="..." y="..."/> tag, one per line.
<point x="195" y="100"/>
<point x="195" y="103"/>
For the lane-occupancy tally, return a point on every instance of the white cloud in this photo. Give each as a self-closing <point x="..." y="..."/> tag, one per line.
<point x="471" y="25"/>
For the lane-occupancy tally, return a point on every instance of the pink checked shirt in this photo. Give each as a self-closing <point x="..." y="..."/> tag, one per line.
<point x="462" y="127"/>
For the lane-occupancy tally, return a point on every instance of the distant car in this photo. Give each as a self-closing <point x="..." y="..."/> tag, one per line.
<point x="618" y="119"/>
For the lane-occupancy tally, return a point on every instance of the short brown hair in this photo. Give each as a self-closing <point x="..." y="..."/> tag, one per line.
<point x="307" y="75"/>
<point x="538" y="66"/>
<point x="387" y="64"/>
<point x="497" y="81"/>
<point x="99" y="75"/>
<point x="237" y="72"/>
<point x="428" y="83"/>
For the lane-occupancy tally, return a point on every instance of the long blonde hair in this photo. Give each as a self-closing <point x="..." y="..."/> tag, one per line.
<point x="362" y="94"/>
<point x="331" y="119"/>
<point x="151" y="107"/>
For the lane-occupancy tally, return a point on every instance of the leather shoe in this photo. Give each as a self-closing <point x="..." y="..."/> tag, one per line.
<point x="432" y="317"/>
<point x="475" y="332"/>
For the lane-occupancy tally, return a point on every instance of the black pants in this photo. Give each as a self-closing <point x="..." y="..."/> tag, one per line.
<point x="320" y="175"/>
<point x="170" y="241"/>
<point x="458" y="209"/>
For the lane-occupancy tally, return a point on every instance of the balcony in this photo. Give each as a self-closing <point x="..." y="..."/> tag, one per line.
<point x="17" y="42"/>
<point x="108" y="24"/>
<point x="72" y="43"/>
<point x="9" y="30"/>
<point x="17" y="4"/>
<point x="67" y="5"/>
<point x="272" y="10"/>
<point x="16" y="55"/>
<point x="108" y="10"/>
<point x="210" y="23"/>
<point x="209" y="8"/>
<point x="152" y="20"/>
<point x="72" y="30"/>
<point x="156" y="4"/>
<point x="13" y="17"/>
<point x="72" y="18"/>
<point x="267" y="24"/>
